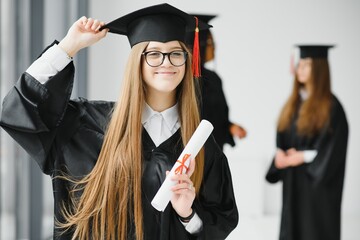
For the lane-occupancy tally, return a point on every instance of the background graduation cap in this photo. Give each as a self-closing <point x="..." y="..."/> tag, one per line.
<point x="203" y="35"/>
<point x="308" y="51"/>
<point x="314" y="51"/>
<point x="160" y="23"/>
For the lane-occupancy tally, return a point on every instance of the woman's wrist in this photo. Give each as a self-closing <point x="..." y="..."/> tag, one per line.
<point x="68" y="47"/>
<point x="187" y="218"/>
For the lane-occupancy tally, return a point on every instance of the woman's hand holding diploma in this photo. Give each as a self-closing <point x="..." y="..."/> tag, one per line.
<point x="177" y="186"/>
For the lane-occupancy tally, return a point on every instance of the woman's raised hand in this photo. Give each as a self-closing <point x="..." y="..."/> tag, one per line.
<point x="83" y="33"/>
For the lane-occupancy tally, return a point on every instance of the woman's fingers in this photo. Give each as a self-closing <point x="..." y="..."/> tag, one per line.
<point x="191" y="167"/>
<point x="184" y="189"/>
<point x="83" y="20"/>
<point x="181" y="177"/>
<point x="97" y="25"/>
<point x="184" y="194"/>
<point x="188" y="185"/>
<point x="100" y="25"/>
<point x="90" y="24"/>
<point x="291" y="151"/>
<point x="184" y="183"/>
<point x="83" y="33"/>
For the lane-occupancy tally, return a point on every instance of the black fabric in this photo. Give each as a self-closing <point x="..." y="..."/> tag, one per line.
<point x="162" y="23"/>
<point x="214" y="107"/>
<point x="314" y="51"/>
<point x="312" y="192"/>
<point x="65" y="136"/>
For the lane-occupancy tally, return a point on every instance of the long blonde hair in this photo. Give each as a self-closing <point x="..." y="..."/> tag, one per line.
<point x="111" y="192"/>
<point x="314" y="112"/>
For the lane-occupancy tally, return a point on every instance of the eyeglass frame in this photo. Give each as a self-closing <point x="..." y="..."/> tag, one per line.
<point x="164" y="55"/>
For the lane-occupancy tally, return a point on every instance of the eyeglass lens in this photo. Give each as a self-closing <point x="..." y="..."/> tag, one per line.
<point x="156" y="58"/>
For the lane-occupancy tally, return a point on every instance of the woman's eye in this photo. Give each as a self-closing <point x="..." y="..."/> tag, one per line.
<point x="177" y="54"/>
<point x="154" y="54"/>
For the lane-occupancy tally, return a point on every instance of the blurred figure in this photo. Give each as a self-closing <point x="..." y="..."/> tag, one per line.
<point x="213" y="102"/>
<point x="312" y="135"/>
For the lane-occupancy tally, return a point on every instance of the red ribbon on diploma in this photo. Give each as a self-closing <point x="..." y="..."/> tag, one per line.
<point x="180" y="168"/>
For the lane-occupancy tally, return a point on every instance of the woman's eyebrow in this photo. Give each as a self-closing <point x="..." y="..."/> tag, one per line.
<point x="159" y="49"/>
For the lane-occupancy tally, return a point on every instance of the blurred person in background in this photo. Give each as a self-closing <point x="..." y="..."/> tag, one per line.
<point x="214" y="107"/>
<point x="312" y="136"/>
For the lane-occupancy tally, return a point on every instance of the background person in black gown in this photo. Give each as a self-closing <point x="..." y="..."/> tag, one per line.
<point x="312" y="136"/>
<point x="214" y="107"/>
<point x="107" y="160"/>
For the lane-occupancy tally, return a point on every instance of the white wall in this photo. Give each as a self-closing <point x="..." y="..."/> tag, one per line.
<point x="254" y="40"/>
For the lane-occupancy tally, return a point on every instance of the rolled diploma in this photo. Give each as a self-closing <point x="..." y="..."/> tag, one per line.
<point x="192" y="148"/>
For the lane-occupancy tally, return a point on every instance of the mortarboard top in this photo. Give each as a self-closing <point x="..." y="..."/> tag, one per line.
<point x="160" y="23"/>
<point x="202" y="34"/>
<point x="314" y="51"/>
<point x="204" y="17"/>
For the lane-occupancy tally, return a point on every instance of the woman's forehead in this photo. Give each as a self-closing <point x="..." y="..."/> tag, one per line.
<point x="160" y="45"/>
<point x="305" y="60"/>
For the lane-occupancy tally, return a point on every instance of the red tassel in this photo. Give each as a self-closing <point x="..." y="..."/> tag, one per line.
<point x="196" y="52"/>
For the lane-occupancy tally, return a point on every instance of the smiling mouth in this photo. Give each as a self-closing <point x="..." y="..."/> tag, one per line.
<point x="166" y="73"/>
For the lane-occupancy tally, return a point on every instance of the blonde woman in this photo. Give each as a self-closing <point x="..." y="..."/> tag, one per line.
<point x="312" y="139"/>
<point x="108" y="160"/>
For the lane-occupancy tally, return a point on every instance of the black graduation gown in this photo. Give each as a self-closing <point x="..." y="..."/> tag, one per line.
<point x="65" y="136"/>
<point x="214" y="106"/>
<point x="312" y="192"/>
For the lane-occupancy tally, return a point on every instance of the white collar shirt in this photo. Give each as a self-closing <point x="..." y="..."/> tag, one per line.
<point x="160" y="125"/>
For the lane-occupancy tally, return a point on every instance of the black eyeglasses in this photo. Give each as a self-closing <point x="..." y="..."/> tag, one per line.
<point x="155" y="58"/>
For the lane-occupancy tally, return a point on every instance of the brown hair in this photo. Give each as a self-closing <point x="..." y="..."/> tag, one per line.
<point x="112" y="190"/>
<point x="314" y="112"/>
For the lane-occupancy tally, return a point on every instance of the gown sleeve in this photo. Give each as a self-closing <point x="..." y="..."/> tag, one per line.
<point x="228" y="138"/>
<point x="31" y="112"/>
<point x="274" y="174"/>
<point x="331" y="146"/>
<point x="216" y="204"/>
<point x="215" y="107"/>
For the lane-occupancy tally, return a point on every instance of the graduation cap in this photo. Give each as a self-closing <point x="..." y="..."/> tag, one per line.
<point x="161" y="23"/>
<point x="203" y="34"/>
<point x="204" y="17"/>
<point x="314" y="51"/>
